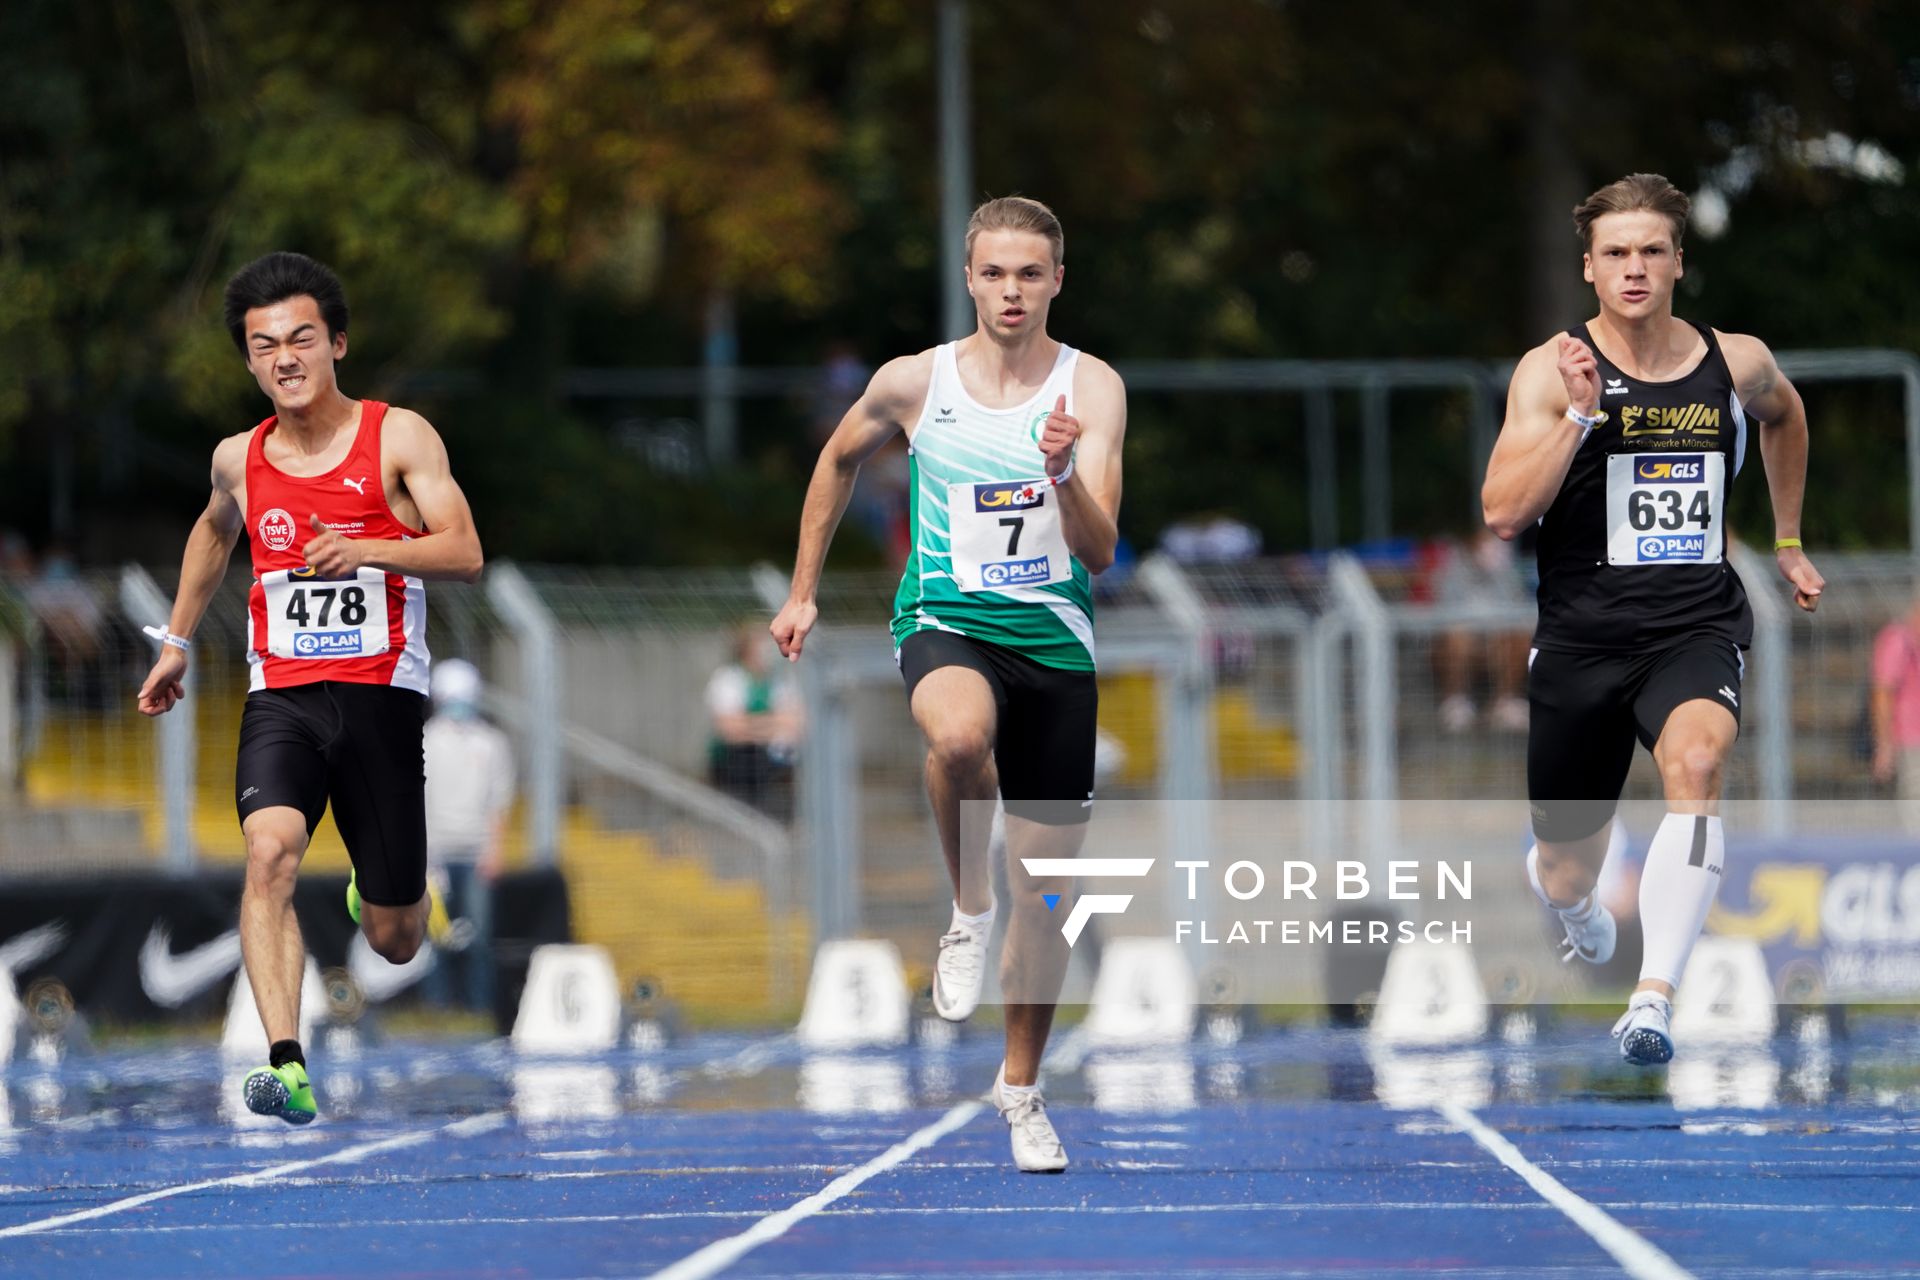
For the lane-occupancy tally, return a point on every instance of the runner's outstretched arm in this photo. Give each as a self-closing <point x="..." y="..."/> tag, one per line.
<point x="1767" y="396"/>
<point x="891" y="400"/>
<point x="202" y="566"/>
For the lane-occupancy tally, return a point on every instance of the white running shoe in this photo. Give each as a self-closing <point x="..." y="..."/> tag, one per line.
<point x="1036" y="1147"/>
<point x="1591" y="932"/>
<point x="961" y="969"/>
<point x="1646" y="1038"/>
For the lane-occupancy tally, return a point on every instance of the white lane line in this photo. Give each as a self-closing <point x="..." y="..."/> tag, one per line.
<point x="913" y="1211"/>
<point x="346" y="1155"/>
<point x="1636" y="1257"/>
<point x="724" y="1253"/>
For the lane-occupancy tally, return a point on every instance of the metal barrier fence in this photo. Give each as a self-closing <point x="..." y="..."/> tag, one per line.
<point x="1301" y="678"/>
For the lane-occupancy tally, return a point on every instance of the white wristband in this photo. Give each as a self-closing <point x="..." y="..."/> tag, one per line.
<point x="1584" y="422"/>
<point x="1064" y="476"/>
<point x="165" y="636"/>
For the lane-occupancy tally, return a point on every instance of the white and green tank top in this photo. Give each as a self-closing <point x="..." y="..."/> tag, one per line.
<point x="989" y="557"/>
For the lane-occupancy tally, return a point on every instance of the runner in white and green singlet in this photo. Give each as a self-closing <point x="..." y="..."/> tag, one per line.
<point x="1015" y="446"/>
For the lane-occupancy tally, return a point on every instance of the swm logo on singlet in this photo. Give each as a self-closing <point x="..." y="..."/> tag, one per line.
<point x="1687" y="419"/>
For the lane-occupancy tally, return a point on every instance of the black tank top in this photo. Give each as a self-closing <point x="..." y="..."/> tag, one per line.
<point x="1648" y="567"/>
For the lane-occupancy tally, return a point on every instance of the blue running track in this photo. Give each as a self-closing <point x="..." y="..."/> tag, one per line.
<point x="1287" y="1153"/>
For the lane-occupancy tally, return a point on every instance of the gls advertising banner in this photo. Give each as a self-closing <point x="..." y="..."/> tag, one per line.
<point x="1837" y="917"/>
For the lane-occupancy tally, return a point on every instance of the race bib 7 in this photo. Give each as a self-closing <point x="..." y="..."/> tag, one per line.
<point x="1006" y="533"/>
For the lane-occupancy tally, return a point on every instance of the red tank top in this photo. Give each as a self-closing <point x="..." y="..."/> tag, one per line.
<point x="367" y="629"/>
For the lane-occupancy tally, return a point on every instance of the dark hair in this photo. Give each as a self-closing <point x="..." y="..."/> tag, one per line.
<point x="277" y="277"/>
<point x="1631" y="194"/>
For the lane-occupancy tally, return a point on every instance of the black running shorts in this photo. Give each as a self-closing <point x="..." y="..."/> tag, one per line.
<point x="358" y="745"/>
<point x="1045" y="724"/>
<point x="1587" y="709"/>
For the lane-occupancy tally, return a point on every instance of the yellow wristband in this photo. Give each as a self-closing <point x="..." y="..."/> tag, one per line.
<point x="1781" y="544"/>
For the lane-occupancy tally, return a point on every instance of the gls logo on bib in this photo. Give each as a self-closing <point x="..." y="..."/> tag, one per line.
<point x="1686" y="469"/>
<point x="1007" y="496"/>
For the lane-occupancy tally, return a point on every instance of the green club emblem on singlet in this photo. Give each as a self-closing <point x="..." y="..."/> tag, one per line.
<point x="1040" y="420"/>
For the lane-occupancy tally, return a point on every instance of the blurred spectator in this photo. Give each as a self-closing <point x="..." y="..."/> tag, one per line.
<point x="756" y="719"/>
<point x="1480" y="573"/>
<point x="1896" y="712"/>
<point x="469" y="791"/>
<point x="843" y="379"/>
<point x="74" y="625"/>
<point x="1210" y="538"/>
<point x="755" y="716"/>
<point x="16" y="559"/>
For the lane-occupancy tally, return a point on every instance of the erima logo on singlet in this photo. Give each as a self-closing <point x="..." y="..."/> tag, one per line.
<point x="1005" y="495"/>
<point x="1682" y="470"/>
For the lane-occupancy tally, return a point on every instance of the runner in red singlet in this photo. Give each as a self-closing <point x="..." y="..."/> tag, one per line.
<point x="348" y="507"/>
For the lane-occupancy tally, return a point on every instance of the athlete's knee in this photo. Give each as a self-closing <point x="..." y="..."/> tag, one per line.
<point x="397" y="941"/>
<point x="273" y="860"/>
<point x="1691" y="770"/>
<point x="957" y="747"/>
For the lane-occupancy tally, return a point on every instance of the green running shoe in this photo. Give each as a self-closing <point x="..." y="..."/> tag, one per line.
<point x="281" y="1091"/>
<point x="353" y="895"/>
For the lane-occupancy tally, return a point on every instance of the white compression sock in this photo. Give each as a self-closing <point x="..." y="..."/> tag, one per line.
<point x="1677" y="887"/>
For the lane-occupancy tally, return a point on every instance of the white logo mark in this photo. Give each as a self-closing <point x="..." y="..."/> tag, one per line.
<point x="171" y="980"/>
<point x="1729" y="695"/>
<point x="358" y="486"/>
<point x="23" y="951"/>
<point x="1092" y="904"/>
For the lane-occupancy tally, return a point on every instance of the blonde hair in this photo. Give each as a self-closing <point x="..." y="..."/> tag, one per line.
<point x="1635" y="192"/>
<point x="1018" y="213"/>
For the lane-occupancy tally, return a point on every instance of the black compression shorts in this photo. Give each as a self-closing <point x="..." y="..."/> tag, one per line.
<point x="1587" y="709"/>
<point x="1044" y="735"/>
<point x="360" y="746"/>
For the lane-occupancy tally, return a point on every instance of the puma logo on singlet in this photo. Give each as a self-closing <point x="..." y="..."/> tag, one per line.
<point x="358" y="486"/>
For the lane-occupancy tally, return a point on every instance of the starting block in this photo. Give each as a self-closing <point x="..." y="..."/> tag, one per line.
<point x="1725" y="996"/>
<point x="1431" y="995"/>
<point x="244" y="1037"/>
<point x="857" y="997"/>
<point x="1145" y="994"/>
<point x="571" y="1003"/>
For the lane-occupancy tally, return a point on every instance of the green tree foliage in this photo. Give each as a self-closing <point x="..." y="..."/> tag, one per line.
<point x="513" y="187"/>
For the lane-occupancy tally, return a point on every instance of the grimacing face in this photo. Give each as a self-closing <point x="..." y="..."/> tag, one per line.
<point x="290" y="354"/>
<point x="1013" y="279"/>
<point x="1633" y="263"/>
